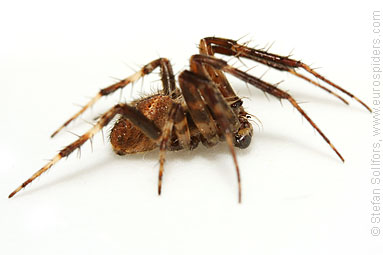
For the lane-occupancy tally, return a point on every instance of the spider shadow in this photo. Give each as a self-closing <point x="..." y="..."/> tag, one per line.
<point x="279" y="140"/>
<point x="98" y="165"/>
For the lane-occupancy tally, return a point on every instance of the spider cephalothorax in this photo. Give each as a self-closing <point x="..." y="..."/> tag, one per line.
<point x="205" y="109"/>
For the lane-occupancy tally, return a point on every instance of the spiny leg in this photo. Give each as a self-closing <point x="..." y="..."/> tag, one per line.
<point x="281" y="63"/>
<point x="227" y="122"/>
<point x="134" y="116"/>
<point x="219" y="78"/>
<point x="166" y="133"/>
<point x="167" y="78"/>
<point x="321" y="77"/>
<point x="239" y="52"/>
<point x="264" y="86"/>
<point x="244" y="134"/>
<point x="216" y="75"/>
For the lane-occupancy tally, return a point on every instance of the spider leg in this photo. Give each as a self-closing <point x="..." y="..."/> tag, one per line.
<point x="167" y="78"/>
<point x="199" y="112"/>
<point x="281" y="63"/>
<point x="215" y="75"/>
<point x="227" y="122"/>
<point x="244" y="133"/>
<point x="166" y="133"/>
<point x="182" y="129"/>
<point x="264" y="86"/>
<point x="134" y="116"/>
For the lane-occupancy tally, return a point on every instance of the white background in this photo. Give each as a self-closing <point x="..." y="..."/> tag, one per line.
<point x="298" y="198"/>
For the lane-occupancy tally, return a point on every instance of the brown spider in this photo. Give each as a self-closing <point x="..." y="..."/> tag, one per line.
<point x="205" y="109"/>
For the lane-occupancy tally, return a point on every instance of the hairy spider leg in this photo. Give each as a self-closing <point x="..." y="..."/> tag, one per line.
<point x="167" y="78"/>
<point x="244" y="133"/>
<point x="216" y="75"/>
<point x="213" y="97"/>
<point x="220" y="79"/>
<point x="227" y="122"/>
<point x="135" y="117"/>
<point x="232" y="48"/>
<point x="166" y="133"/>
<point x="262" y="85"/>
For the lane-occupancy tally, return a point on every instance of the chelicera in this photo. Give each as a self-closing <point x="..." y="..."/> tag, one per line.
<point x="204" y="109"/>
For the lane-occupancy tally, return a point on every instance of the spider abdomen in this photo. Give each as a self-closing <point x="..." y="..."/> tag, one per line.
<point x="128" y="139"/>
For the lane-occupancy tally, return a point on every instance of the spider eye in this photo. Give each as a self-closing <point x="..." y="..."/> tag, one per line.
<point x="237" y="104"/>
<point x="242" y="142"/>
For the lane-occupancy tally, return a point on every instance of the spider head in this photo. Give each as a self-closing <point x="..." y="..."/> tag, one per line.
<point x="242" y="138"/>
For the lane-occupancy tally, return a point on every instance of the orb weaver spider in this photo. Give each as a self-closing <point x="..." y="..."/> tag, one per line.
<point x="204" y="109"/>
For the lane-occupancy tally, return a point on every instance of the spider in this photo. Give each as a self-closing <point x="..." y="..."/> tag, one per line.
<point x="204" y="109"/>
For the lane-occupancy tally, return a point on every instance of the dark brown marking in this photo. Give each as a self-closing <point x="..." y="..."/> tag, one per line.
<point x="222" y="113"/>
<point x="198" y="110"/>
<point x="181" y="128"/>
